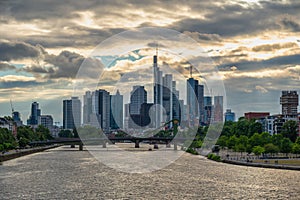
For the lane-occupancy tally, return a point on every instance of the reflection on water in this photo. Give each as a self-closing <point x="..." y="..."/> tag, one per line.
<point x="63" y="173"/>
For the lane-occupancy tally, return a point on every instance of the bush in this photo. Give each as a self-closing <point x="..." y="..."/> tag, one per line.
<point x="214" y="157"/>
<point x="192" y="151"/>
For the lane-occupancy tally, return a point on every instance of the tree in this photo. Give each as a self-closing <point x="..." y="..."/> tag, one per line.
<point x="232" y="142"/>
<point x="65" y="133"/>
<point x="286" y="145"/>
<point x="289" y="130"/>
<point x="296" y="148"/>
<point x="222" y="141"/>
<point x="254" y="127"/>
<point x="298" y="140"/>
<point x="271" y="148"/>
<point x="258" y="150"/>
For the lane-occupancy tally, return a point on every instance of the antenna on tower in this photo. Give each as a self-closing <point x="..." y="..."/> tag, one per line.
<point x="11" y="105"/>
<point x="156" y="49"/>
<point x="191" y="71"/>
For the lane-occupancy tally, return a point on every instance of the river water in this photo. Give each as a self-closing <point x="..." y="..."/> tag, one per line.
<point x="65" y="173"/>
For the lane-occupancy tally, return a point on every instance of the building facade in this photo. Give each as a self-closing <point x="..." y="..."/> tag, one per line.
<point x="35" y="114"/>
<point x="71" y="113"/>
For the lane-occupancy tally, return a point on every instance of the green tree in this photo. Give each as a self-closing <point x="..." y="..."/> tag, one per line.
<point x="254" y="127"/>
<point x="271" y="148"/>
<point x="231" y="142"/>
<point x="222" y="141"/>
<point x="289" y="130"/>
<point x="296" y="148"/>
<point x="286" y="145"/>
<point x="65" y="133"/>
<point x="298" y="140"/>
<point x="258" y="150"/>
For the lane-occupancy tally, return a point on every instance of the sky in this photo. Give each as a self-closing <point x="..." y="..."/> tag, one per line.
<point x="254" y="46"/>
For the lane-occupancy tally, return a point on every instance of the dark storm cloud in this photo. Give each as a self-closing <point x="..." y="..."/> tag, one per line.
<point x="17" y="50"/>
<point x="269" y="63"/>
<point x="5" y="66"/>
<point x="290" y="24"/>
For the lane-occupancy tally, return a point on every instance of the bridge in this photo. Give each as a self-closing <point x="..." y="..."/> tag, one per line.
<point x="104" y="141"/>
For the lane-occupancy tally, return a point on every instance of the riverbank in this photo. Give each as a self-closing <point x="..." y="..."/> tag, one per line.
<point x="262" y="165"/>
<point x="24" y="152"/>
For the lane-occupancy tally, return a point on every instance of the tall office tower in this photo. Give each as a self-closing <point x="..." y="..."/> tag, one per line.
<point x="116" y="119"/>
<point x="192" y="102"/>
<point x="138" y="96"/>
<point x="289" y="101"/>
<point x="200" y="98"/>
<point x="168" y="97"/>
<point x="101" y="110"/>
<point x="158" y="92"/>
<point x="208" y="107"/>
<point x="229" y="116"/>
<point x="177" y="108"/>
<point x="87" y="107"/>
<point x="35" y="113"/>
<point x="218" y="109"/>
<point x="17" y="118"/>
<point x="71" y="113"/>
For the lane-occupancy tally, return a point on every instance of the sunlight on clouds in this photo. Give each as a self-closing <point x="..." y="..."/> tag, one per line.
<point x="12" y="78"/>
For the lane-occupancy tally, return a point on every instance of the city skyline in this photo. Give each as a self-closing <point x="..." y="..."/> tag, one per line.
<point x="41" y="51"/>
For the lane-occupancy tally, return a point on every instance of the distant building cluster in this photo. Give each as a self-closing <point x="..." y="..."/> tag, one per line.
<point x="273" y="124"/>
<point x="109" y="112"/>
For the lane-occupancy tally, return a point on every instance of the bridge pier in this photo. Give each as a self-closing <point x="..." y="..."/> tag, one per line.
<point x="155" y="146"/>
<point x="175" y="146"/>
<point x="137" y="144"/>
<point x="80" y="147"/>
<point x="104" y="144"/>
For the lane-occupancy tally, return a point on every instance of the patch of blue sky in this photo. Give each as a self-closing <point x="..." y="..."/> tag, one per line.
<point x="16" y="72"/>
<point x="111" y="61"/>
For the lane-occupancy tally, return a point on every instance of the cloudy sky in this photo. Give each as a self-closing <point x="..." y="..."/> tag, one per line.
<point x="253" y="44"/>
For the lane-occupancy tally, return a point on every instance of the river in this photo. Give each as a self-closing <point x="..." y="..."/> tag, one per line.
<point x="65" y="173"/>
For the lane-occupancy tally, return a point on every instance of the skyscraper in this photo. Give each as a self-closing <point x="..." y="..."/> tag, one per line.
<point x="208" y="107"/>
<point x="229" y="116"/>
<point x="35" y="113"/>
<point x="138" y="96"/>
<point x="101" y="109"/>
<point x="87" y="107"/>
<point x="158" y="92"/>
<point x="46" y="121"/>
<point x="289" y="101"/>
<point x="218" y="109"/>
<point x="71" y="113"/>
<point x="116" y="119"/>
<point x="192" y="93"/>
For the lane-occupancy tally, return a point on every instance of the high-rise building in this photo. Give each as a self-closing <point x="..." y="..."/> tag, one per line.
<point x="200" y="99"/>
<point x="229" y="116"/>
<point x="138" y="96"/>
<point x="289" y="101"/>
<point x="87" y="107"/>
<point x="116" y="119"/>
<point x="71" y="113"/>
<point x="46" y="121"/>
<point x="208" y="108"/>
<point x="218" y="109"/>
<point x="35" y="113"/>
<point x="158" y="92"/>
<point x="17" y="118"/>
<point x="101" y="109"/>
<point x="192" y="102"/>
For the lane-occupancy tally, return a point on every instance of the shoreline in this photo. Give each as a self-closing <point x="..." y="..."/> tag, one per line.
<point x="10" y="156"/>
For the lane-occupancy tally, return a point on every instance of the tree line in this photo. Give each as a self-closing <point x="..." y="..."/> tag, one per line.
<point x="25" y="134"/>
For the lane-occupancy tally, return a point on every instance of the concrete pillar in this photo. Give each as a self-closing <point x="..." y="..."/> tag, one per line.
<point x="137" y="144"/>
<point x="104" y="144"/>
<point x="175" y="146"/>
<point x="80" y="147"/>
<point x="155" y="146"/>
